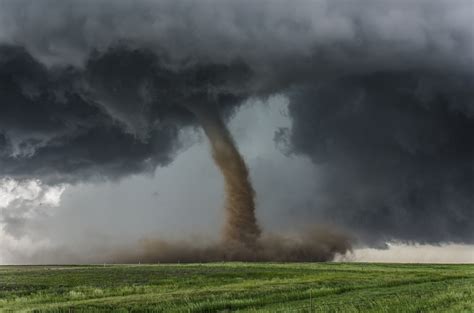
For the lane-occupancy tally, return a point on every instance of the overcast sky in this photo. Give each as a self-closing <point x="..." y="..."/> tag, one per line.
<point x="359" y="117"/>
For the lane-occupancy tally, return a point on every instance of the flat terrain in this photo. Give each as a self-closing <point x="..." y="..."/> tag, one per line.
<point x="243" y="287"/>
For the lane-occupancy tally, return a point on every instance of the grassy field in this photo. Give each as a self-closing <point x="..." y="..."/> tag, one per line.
<point x="243" y="287"/>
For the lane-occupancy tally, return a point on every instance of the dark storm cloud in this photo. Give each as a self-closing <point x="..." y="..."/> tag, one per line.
<point x="118" y="115"/>
<point x="52" y="131"/>
<point x="380" y="95"/>
<point x="397" y="152"/>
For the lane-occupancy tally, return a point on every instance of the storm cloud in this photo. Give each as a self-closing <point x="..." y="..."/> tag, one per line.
<point x="119" y="115"/>
<point x="396" y="152"/>
<point x="380" y="96"/>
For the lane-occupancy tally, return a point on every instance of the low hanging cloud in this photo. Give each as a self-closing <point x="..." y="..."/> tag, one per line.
<point x="380" y="96"/>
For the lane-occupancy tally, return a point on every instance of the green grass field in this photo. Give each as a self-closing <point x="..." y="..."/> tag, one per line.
<point x="243" y="287"/>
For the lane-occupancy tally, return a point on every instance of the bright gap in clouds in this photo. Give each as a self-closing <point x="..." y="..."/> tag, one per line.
<point x="15" y="193"/>
<point x="21" y="201"/>
<point x="415" y="253"/>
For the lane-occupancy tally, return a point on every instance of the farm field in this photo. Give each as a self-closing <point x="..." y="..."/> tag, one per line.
<point x="242" y="287"/>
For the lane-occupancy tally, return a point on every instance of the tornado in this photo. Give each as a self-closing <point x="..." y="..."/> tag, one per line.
<point x="241" y="225"/>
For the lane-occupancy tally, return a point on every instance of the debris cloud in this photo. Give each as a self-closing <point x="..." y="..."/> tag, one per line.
<point x="314" y="245"/>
